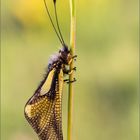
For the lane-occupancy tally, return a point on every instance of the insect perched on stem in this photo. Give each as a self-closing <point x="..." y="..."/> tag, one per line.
<point x="43" y="110"/>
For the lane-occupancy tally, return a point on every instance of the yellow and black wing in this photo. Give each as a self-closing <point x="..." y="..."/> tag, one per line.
<point x="44" y="110"/>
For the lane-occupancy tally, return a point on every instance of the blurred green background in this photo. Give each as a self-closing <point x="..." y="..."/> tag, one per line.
<point x="105" y="94"/>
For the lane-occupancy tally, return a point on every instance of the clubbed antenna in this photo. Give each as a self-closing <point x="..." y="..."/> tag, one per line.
<point x="59" y="37"/>
<point x="54" y="1"/>
<point x="58" y="22"/>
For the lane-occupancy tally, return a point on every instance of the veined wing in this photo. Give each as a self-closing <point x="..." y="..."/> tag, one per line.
<point x="44" y="110"/>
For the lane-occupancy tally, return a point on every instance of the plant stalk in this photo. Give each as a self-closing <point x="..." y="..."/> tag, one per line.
<point x="71" y="77"/>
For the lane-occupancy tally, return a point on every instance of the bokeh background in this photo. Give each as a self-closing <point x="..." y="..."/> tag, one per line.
<point x="105" y="94"/>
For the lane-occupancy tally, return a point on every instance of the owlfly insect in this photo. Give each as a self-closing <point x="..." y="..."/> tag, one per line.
<point x="43" y="110"/>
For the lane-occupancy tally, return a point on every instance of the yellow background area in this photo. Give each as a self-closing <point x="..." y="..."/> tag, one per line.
<point x="105" y="105"/>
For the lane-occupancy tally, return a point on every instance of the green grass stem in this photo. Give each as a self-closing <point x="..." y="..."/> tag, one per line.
<point x="72" y="49"/>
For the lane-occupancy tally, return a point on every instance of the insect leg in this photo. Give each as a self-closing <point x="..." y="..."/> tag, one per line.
<point x="69" y="71"/>
<point x="74" y="57"/>
<point x="68" y="81"/>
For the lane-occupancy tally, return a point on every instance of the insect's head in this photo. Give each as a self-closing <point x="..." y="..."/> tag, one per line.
<point x="65" y="55"/>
